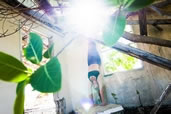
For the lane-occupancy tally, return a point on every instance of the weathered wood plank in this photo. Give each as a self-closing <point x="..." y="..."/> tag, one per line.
<point x="147" y="40"/>
<point x="144" y="56"/>
<point x="151" y="21"/>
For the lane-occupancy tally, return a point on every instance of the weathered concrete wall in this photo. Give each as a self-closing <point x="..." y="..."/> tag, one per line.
<point x="10" y="45"/>
<point x="150" y="81"/>
<point x="74" y="71"/>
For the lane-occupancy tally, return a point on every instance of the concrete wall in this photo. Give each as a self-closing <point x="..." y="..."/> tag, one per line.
<point x="10" y="45"/>
<point x="74" y="71"/>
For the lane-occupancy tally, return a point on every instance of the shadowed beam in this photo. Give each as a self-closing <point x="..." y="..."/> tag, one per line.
<point x="146" y="39"/>
<point x="151" y="22"/>
<point x="143" y="55"/>
<point x="162" y="4"/>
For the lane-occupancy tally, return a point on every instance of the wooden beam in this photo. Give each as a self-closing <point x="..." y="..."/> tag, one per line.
<point x="147" y="40"/>
<point x="143" y="55"/>
<point x="151" y="21"/>
<point x="142" y="22"/>
<point x="160" y="12"/>
<point x="162" y="3"/>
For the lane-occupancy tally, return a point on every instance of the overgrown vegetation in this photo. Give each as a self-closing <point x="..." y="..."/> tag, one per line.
<point x="118" y="61"/>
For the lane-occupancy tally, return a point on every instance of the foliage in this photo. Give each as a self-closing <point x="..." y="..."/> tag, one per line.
<point x="138" y="4"/>
<point x="11" y="69"/>
<point x="137" y="92"/>
<point x="139" y="98"/>
<point x="33" y="51"/>
<point x="48" y="74"/>
<point x="48" y="53"/>
<point x="19" y="101"/>
<point x="47" y="78"/>
<point x="116" y="25"/>
<point x="114" y="97"/>
<point x="118" y="61"/>
<point x="114" y="29"/>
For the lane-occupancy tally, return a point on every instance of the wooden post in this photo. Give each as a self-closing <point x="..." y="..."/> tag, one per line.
<point x="142" y="22"/>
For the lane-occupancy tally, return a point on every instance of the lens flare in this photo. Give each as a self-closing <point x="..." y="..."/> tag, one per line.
<point x="87" y="16"/>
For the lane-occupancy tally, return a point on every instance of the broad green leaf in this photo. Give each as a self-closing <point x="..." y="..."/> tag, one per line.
<point x="33" y="51"/>
<point x="48" y="77"/>
<point x="138" y="4"/>
<point x="11" y="69"/>
<point x="114" y="29"/>
<point x="113" y="94"/>
<point x="48" y="53"/>
<point x="118" y="3"/>
<point x="128" y="3"/>
<point x="19" y="101"/>
<point x="114" y="2"/>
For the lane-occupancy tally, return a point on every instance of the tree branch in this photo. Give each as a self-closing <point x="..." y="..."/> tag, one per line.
<point x="147" y="40"/>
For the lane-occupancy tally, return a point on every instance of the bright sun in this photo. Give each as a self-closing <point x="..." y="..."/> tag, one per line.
<point x="87" y="16"/>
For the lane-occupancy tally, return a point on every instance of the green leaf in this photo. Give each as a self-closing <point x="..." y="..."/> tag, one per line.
<point x="114" y="29"/>
<point x="33" y="51"/>
<point x="48" y="53"/>
<point x="11" y="69"/>
<point x="137" y="92"/>
<point x="118" y="3"/>
<point x="114" y="2"/>
<point x="19" y="101"/>
<point x="138" y="4"/>
<point x="128" y="3"/>
<point x="113" y="94"/>
<point x="48" y="77"/>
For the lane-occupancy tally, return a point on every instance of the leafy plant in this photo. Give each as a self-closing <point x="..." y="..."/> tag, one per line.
<point x="48" y="53"/>
<point x="138" y="4"/>
<point x="114" y="29"/>
<point x="114" y="97"/>
<point x="116" y="25"/>
<point x="139" y="98"/>
<point x="47" y="78"/>
<point x="33" y="51"/>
